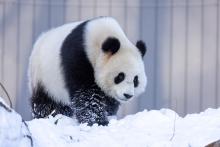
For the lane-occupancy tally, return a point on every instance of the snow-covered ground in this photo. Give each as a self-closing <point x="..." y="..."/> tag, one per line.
<point x="147" y="128"/>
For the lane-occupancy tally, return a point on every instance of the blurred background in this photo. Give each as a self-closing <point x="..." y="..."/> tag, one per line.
<point x="182" y="36"/>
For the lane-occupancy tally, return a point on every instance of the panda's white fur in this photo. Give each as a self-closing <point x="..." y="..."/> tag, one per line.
<point x="45" y="62"/>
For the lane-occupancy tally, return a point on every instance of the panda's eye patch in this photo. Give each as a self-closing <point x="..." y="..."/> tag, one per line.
<point x="136" y="82"/>
<point x="119" y="78"/>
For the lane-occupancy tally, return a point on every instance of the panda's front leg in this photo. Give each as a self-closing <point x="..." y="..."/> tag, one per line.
<point x="92" y="116"/>
<point x="90" y="110"/>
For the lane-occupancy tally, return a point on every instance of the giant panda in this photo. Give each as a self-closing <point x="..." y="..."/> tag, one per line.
<point x="85" y="70"/>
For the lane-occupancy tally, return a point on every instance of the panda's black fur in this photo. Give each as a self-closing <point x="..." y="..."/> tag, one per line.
<point x="75" y="62"/>
<point x="89" y="104"/>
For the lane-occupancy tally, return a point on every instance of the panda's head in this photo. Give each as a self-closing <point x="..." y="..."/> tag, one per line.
<point x="119" y="69"/>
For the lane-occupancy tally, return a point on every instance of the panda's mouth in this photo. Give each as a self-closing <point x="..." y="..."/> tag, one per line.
<point x="123" y="100"/>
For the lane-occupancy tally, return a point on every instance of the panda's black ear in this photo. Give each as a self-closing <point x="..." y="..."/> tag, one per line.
<point x="142" y="47"/>
<point x="111" y="44"/>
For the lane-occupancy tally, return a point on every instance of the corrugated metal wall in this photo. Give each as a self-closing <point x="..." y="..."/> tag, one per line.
<point x="182" y="62"/>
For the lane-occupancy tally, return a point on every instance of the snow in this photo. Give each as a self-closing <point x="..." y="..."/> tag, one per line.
<point x="155" y="128"/>
<point x="13" y="130"/>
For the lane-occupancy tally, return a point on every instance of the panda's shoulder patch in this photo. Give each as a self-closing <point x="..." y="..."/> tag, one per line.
<point x="78" y="71"/>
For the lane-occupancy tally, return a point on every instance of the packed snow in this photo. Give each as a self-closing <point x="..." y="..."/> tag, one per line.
<point x="147" y="128"/>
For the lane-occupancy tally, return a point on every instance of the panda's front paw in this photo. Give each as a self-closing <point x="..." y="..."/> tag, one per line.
<point x="92" y="118"/>
<point x="99" y="121"/>
<point x="103" y="123"/>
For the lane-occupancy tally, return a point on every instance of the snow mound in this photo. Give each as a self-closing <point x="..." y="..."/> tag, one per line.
<point x="13" y="130"/>
<point x="147" y="128"/>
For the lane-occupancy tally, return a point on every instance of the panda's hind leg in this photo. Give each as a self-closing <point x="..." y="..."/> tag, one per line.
<point x="43" y="105"/>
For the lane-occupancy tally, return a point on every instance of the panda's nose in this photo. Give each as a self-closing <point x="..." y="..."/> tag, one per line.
<point x="128" y="96"/>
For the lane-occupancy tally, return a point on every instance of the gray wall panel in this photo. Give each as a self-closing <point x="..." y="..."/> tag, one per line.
<point x="193" y="58"/>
